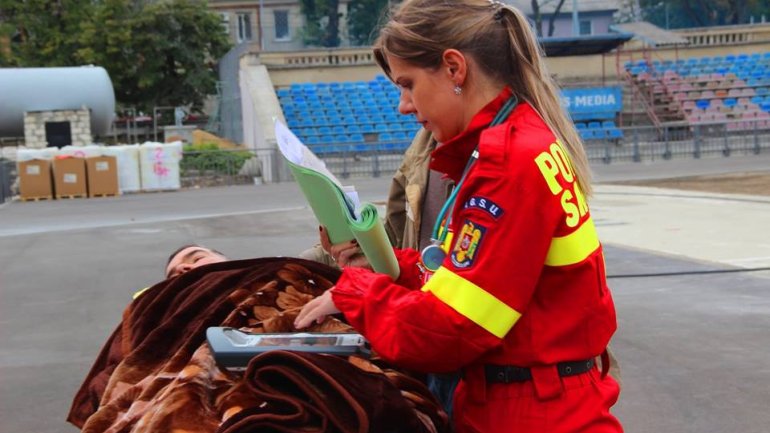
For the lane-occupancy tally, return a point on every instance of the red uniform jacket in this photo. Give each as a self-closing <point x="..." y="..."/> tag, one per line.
<point x="524" y="281"/>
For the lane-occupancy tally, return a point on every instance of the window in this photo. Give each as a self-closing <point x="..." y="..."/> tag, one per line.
<point x="586" y="28"/>
<point x="225" y="21"/>
<point x="244" y="27"/>
<point x="281" y="25"/>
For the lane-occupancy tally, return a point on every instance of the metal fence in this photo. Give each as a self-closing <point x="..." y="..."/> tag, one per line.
<point x="7" y="177"/>
<point x="682" y="141"/>
<point x="638" y="144"/>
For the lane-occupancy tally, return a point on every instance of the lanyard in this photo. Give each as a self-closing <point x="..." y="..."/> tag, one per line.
<point x="432" y="256"/>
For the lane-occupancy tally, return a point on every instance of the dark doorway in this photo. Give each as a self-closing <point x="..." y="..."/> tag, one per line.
<point x="58" y="134"/>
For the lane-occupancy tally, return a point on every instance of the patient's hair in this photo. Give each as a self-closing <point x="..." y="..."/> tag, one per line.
<point x="178" y="250"/>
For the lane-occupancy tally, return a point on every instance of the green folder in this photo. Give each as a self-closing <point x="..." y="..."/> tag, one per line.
<point x="336" y="212"/>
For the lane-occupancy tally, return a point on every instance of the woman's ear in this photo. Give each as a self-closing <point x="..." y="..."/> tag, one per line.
<point x="456" y="66"/>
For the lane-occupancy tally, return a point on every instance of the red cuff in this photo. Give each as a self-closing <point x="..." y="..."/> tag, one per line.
<point x="411" y="275"/>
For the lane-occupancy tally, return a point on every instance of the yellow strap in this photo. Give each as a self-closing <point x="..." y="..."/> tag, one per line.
<point x="139" y="293"/>
<point x="574" y="247"/>
<point x="473" y="302"/>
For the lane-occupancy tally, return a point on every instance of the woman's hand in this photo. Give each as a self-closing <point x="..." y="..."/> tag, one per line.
<point x="317" y="310"/>
<point x="345" y="253"/>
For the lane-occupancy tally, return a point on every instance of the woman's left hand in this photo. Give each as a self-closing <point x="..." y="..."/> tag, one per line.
<point x="317" y="310"/>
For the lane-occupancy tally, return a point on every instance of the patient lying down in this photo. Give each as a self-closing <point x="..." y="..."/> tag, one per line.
<point x="156" y="374"/>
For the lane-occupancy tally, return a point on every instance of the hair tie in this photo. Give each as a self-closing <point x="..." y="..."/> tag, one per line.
<point x="497" y="7"/>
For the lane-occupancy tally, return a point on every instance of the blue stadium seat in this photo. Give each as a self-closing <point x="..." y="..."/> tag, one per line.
<point x="400" y="136"/>
<point x="293" y="124"/>
<point x="702" y="103"/>
<point x="283" y="93"/>
<point x="313" y="139"/>
<point x="594" y="125"/>
<point x="395" y="126"/>
<point x="357" y="138"/>
<point x="367" y="128"/>
<point x="614" y="133"/>
<point x="386" y="136"/>
<point x="730" y="102"/>
<point x="353" y="129"/>
<point x="338" y="129"/>
<point x="580" y="126"/>
<point x="392" y="118"/>
<point x="608" y="124"/>
<point x="381" y="127"/>
<point x="325" y="130"/>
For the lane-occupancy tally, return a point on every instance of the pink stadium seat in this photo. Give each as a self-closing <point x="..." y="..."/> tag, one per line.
<point x="734" y="93"/>
<point x="748" y="91"/>
<point x="716" y="103"/>
<point x="720" y="117"/>
<point x="707" y="94"/>
<point x="686" y="87"/>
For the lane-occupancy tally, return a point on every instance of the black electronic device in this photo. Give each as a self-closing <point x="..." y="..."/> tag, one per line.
<point x="233" y="349"/>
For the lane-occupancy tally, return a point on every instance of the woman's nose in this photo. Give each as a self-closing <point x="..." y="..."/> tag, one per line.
<point x="405" y="104"/>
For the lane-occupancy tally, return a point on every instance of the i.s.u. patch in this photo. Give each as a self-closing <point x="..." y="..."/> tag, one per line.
<point x="484" y="204"/>
<point x="467" y="244"/>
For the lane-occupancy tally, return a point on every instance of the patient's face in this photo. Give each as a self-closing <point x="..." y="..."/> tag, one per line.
<point x="191" y="258"/>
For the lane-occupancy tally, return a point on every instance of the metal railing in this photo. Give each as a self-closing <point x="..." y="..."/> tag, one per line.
<point x="7" y="177"/>
<point x="638" y="144"/>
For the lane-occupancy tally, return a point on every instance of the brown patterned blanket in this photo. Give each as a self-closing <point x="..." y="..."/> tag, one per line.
<point x="156" y="374"/>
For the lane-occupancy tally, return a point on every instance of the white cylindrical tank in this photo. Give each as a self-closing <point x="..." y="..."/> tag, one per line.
<point x="46" y="89"/>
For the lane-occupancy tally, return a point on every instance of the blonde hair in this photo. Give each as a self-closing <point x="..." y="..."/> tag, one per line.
<point x="499" y="38"/>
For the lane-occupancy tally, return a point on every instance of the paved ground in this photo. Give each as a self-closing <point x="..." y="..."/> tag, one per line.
<point x="694" y="346"/>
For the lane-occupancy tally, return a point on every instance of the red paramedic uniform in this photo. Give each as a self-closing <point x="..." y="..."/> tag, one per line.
<point x="523" y="285"/>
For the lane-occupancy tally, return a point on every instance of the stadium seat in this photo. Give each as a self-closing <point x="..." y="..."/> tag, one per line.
<point x="614" y="133"/>
<point x="357" y="138"/>
<point x="381" y="127"/>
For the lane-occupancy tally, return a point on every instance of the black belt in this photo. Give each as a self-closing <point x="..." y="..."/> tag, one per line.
<point x="511" y="373"/>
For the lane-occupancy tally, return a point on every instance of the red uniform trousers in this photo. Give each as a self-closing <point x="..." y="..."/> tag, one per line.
<point x="547" y="404"/>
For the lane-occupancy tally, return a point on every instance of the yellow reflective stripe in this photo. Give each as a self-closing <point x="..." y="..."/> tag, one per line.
<point x="473" y="302"/>
<point x="139" y="293"/>
<point x="574" y="247"/>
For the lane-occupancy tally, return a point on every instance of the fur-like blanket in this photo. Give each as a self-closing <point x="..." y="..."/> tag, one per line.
<point x="156" y="373"/>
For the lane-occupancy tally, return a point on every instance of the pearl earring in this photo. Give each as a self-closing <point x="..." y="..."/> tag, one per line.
<point x="458" y="90"/>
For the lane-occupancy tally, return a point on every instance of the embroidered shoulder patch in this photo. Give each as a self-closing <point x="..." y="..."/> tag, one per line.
<point x="467" y="244"/>
<point x="484" y="204"/>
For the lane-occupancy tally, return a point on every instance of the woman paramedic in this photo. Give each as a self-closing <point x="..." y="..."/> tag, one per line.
<point x="513" y="292"/>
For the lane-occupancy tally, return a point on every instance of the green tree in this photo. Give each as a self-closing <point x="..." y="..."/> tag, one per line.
<point x="157" y="53"/>
<point x="365" y="17"/>
<point x="322" y="22"/>
<point x="703" y="13"/>
<point x="42" y="32"/>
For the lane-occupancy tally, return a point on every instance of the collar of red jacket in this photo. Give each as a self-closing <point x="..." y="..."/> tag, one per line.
<point x="450" y="157"/>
